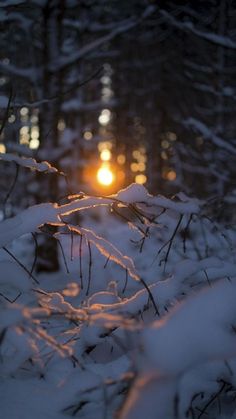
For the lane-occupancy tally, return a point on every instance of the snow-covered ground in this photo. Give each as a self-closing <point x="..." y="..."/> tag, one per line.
<point x="139" y="322"/>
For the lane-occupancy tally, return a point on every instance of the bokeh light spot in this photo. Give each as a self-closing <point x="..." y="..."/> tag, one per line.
<point x="141" y="179"/>
<point x="105" y="155"/>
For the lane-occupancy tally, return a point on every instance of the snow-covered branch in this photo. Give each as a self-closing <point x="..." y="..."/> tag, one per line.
<point x="221" y="40"/>
<point x="65" y="62"/>
<point x="208" y="134"/>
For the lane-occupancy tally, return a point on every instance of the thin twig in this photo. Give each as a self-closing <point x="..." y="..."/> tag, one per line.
<point x="8" y="299"/>
<point x="176" y="406"/>
<point x="106" y="263"/>
<point x="71" y="244"/>
<point x="126" y="281"/>
<point x="90" y="267"/>
<point x="212" y="399"/>
<point x="80" y="262"/>
<point x="13" y="184"/>
<point x="63" y="255"/>
<point x="35" y="252"/>
<point x="20" y="264"/>
<point x="170" y="241"/>
<point x="136" y="212"/>
<point x="150" y="295"/>
<point x="207" y="277"/>
<point x="143" y="239"/>
<point x="185" y="232"/>
<point x="4" y="120"/>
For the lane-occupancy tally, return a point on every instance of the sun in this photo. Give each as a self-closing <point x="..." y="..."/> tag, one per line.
<point x="105" y="176"/>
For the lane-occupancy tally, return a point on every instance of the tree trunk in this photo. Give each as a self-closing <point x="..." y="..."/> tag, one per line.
<point x="49" y="116"/>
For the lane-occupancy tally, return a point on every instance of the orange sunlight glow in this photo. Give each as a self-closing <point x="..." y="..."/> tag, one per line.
<point x="105" y="176"/>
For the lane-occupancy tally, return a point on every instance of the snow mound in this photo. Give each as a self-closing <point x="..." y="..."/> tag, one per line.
<point x="133" y="193"/>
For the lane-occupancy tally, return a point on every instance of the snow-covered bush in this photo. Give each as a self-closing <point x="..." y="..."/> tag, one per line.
<point x="141" y="324"/>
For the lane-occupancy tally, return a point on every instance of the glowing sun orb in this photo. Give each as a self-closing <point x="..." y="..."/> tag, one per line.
<point x="105" y="176"/>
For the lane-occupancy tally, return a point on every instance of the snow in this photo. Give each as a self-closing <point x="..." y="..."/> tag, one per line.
<point x="108" y="250"/>
<point x="27" y="221"/>
<point x="29" y="163"/>
<point x="13" y="277"/>
<point x="76" y="341"/>
<point x="136" y="193"/>
<point x="133" y="193"/>
<point x="103" y="298"/>
<point x="176" y="350"/>
<point x="187" y="328"/>
<point x="140" y="319"/>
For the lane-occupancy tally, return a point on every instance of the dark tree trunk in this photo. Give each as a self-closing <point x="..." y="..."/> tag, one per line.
<point x="49" y="117"/>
